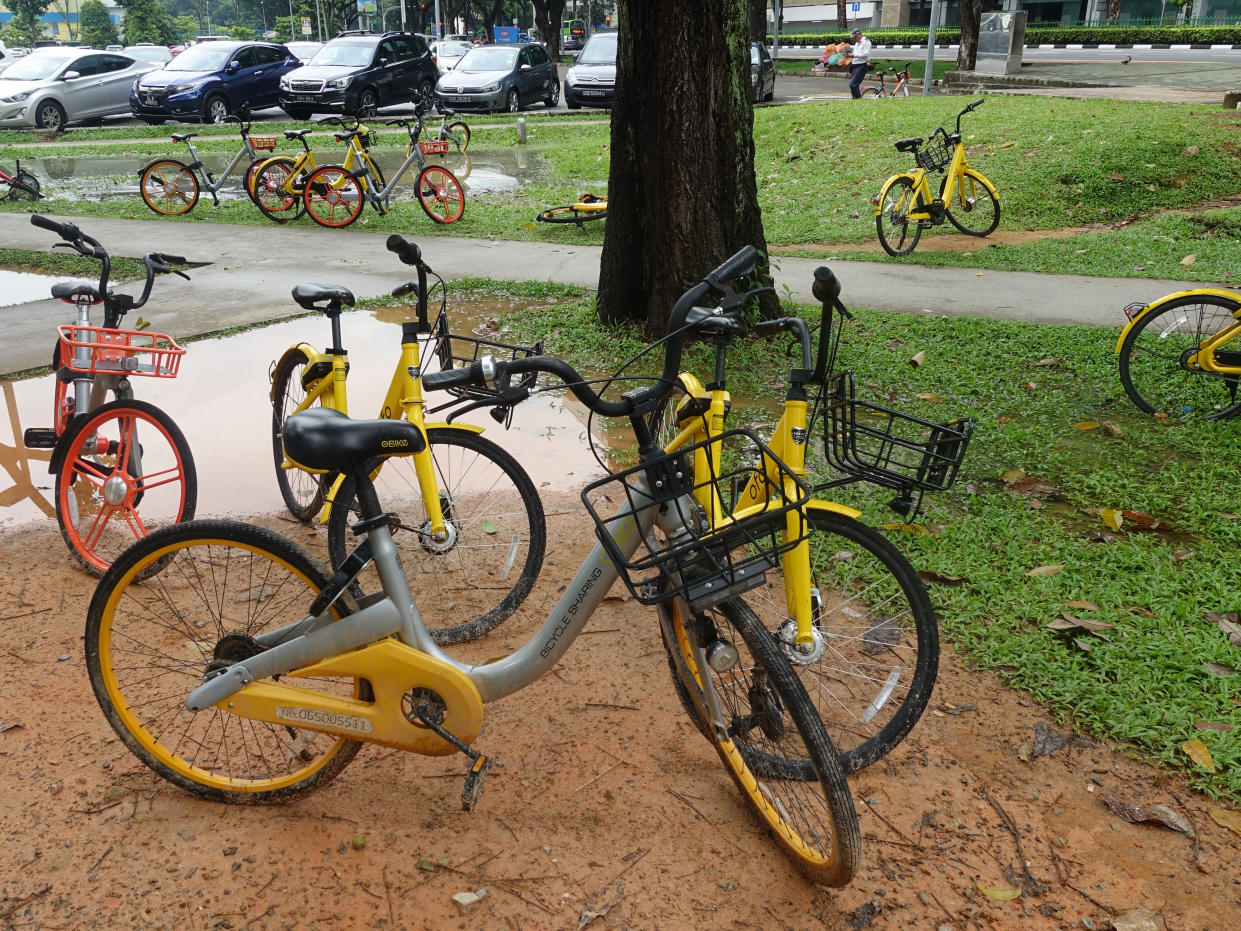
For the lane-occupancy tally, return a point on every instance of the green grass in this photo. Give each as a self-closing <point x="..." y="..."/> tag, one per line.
<point x="68" y="263"/>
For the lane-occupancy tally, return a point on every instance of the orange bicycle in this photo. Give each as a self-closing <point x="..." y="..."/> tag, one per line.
<point x="899" y="89"/>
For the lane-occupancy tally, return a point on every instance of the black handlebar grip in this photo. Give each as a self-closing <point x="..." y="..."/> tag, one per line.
<point x="66" y="231"/>
<point x="826" y="286"/>
<point x="408" y="252"/>
<point x="171" y="259"/>
<point x="452" y="378"/>
<point x="742" y="263"/>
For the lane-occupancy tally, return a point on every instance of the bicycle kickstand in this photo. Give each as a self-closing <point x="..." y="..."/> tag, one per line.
<point x="479" y="766"/>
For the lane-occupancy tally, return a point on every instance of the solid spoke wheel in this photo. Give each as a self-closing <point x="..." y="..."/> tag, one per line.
<point x="513" y="102"/>
<point x="169" y="187"/>
<point x="769" y="736"/>
<point x="215" y="110"/>
<point x="974" y="210"/>
<point x="333" y="197"/>
<point x="440" y="194"/>
<point x="222" y="586"/>
<point x="24" y="186"/>
<point x="127" y="470"/>
<point x="276" y="192"/>
<point x="897" y="234"/>
<point x="302" y="491"/>
<point x="496" y="533"/>
<point x="1158" y="360"/>
<point x="457" y="134"/>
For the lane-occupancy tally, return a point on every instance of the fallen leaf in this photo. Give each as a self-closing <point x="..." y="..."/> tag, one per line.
<point x="1156" y="814"/>
<point x="1228" y="625"/>
<point x="1031" y="485"/>
<point x="1182" y="555"/>
<point x="1029" y="386"/>
<point x="927" y="396"/>
<point x="489" y="528"/>
<point x="1189" y="259"/>
<point x="1138" y="919"/>
<point x="1226" y="817"/>
<point x="1013" y="475"/>
<point x="1219" y="669"/>
<point x="1111" y="429"/>
<point x="1197" y="751"/>
<point x="1098" y="536"/>
<point x="1217" y="726"/>
<point x="1042" y="363"/>
<point x="918" y="358"/>
<point x="1000" y="893"/>
<point x="1087" y="425"/>
<point x="1069" y="622"/>
<point x="1083" y="606"/>
<point x="1003" y="418"/>
<point x="1082" y="645"/>
<point x="1116" y="177"/>
<point x="1007" y="145"/>
<point x="1113" y="517"/>
<point x="957" y="709"/>
<point x="938" y="578"/>
<point x="1043" y="571"/>
<point x="1047" y="740"/>
<point x="1142" y="521"/>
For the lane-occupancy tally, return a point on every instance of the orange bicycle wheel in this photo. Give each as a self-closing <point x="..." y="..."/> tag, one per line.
<point x="440" y="194"/>
<point x="333" y="196"/>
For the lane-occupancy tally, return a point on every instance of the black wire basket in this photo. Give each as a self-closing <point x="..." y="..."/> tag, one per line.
<point x="882" y="446"/>
<point x="455" y="350"/>
<point x="737" y="521"/>
<point x="936" y="155"/>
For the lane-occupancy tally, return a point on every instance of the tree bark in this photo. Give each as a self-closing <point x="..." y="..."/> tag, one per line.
<point x="971" y="17"/>
<point x="682" y="195"/>
<point x="548" y="15"/>
<point x="758" y="20"/>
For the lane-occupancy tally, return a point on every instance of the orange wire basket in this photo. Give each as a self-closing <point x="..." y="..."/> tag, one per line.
<point x="439" y="147"/>
<point x="263" y="143"/>
<point x="133" y="352"/>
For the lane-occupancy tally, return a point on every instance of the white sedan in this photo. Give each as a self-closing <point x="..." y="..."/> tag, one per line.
<point x="53" y="87"/>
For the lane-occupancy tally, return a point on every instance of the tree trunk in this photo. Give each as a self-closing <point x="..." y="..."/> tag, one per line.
<point x="1113" y="10"/>
<point x="682" y="196"/>
<point x="548" y="15"/>
<point x="758" y="21"/>
<point x="841" y="21"/>
<point x="971" y="16"/>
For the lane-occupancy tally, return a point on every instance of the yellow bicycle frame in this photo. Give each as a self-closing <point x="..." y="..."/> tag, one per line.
<point x="304" y="164"/>
<point x="1204" y="359"/>
<point x="788" y="443"/>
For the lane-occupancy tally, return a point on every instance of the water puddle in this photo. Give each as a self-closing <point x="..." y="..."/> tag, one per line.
<point x="221" y="402"/>
<point x="23" y="287"/>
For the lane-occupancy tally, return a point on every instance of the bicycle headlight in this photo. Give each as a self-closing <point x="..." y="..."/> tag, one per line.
<point x="17" y="97"/>
<point x="339" y="83"/>
<point x="491" y="88"/>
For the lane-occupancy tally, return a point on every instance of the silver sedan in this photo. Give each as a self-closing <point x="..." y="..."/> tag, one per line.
<point x="53" y="87"/>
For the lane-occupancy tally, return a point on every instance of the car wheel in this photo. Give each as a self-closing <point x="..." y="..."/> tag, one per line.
<point x="215" y="109"/>
<point x="553" y="96"/>
<point x="426" y="90"/>
<point x="50" y="116"/>
<point x="771" y="93"/>
<point x="368" y="103"/>
<point x="514" y="102"/>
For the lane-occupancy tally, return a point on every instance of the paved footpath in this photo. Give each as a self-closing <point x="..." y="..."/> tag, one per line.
<point x="248" y="273"/>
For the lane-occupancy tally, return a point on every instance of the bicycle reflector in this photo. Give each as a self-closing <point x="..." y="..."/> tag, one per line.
<point x="1132" y="310"/>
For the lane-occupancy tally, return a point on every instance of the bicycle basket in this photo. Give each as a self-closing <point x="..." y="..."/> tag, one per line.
<point x="439" y="147"/>
<point x="456" y="351"/>
<point x="704" y="564"/>
<point x="263" y="143"/>
<point x="879" y="445"/>
<point x="936" y="155"/>
<point x="133" y="352"/>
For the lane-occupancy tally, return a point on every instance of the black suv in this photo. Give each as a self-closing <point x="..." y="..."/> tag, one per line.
<point x="359" y="72"/>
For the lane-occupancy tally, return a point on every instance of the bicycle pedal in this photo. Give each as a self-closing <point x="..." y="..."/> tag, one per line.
<point x="39" y="438"/>
<point x="474" y="782"/>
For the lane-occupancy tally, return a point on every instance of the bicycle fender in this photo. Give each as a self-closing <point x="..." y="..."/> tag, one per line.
<point x="831" y="507"/>
<point x="444" y="425"/>
<point x="1155" y="305"/>
<point x="887" y="184"/>
<point x="143" y="169"/>
<point x="986" y="182"/>
<point x="305" y="348"/>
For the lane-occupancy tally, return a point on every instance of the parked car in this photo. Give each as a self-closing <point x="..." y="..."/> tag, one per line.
<point x="447" y="54"/>
<point x="355" y="73"/>
<point x="210" y="80"/>
<point x="145" y="51"/>
<point x="304" y="51"/>
<point x="762" y="73"/>
<point x="592" y="79"/>
<point x="56" y="86"/>
<point x="501" y="77"/>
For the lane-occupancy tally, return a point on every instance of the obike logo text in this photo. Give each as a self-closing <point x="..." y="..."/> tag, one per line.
<point x="388" y="444"/>
<point x="312" y="718"/>
<point x="570" y="613"/>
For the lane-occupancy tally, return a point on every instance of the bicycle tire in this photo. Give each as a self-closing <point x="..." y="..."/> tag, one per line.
<point x="148" y="645"/>
<point x="333" y="196"/>
<point x="571" y="214"/>
<point x="168" y="187"/>
<point x="440" y="194"/>
<point x="24" y="186"/>
<point x="872" y="93"/>
<point x="127" y="469"/>
<point x="1154" y="357"/>
<point x="277" y="191"/>
<point x="773" y="743"/>
<point x="895" y="201"/>
<point x="974" y="210"/>
<point x="457" y="133"/>
<point x="303" y="492"/>
<point x="497" y="524"/>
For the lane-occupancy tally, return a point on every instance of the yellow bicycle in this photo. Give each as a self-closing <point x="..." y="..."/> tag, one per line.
<point x="966" y="199"/>
<point x="477" y="532"/>
<point x="279" y="181"/>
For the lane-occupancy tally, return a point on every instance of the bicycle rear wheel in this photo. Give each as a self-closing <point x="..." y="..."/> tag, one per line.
<point x="333" y="196"/>
<point x="456" y="134"/>
<point x="897" y="233"/>
<point x="1156" y="360"/>
<point x="127" y="470"/>
<point x="222" y="586"/>
<point x="440" y="194"/>
<point x="169" y="187"/>
<point x="769" y="736"/>
<point x="497" y="533"/>
<point x="303" y="492"/>
<point x="24" y="186"/>
<point x="872" y="93"/>
<point x="276" y="191"/>
<point x="974" y="210"/>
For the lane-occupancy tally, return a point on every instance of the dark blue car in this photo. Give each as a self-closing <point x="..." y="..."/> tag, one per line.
<point x="212" y="79"/>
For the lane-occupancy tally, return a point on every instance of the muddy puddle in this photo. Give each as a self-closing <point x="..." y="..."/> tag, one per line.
<point x="108" y="178"/>
<point x="220" y="400"/>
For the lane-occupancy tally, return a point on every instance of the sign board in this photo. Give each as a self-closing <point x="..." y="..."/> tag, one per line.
<point x="306" y="25"/>
<point x="1001" y="38"/>
<point x="507" y="35"/>
<point x="366" y="6"/>
<point x="857" y="7"/>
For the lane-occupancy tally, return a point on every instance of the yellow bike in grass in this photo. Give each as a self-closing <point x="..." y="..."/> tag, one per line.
<point x="588" y="207"/>
<point x="966" y="199"/>
<point x="1176" y="357"/>
<point x="844" y="605"/>
<point x="477" y="532"/>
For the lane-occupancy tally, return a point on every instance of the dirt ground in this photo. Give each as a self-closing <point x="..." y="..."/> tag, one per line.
<point x="608" y="811"/>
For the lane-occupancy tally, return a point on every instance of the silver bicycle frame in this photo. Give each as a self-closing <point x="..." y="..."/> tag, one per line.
<point x="384" y="194"/>
<point x="214" y="187"/>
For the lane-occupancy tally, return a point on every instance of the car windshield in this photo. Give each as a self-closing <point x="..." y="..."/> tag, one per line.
<point x="345" y="55"/>
<point x="149" y="53"/>
<point x="452" y="49"/>
<point x="300" y="48"/>
<point x="488" y="59"/>
<point x="601" y="50"/>
<point x="34" y="68"/>
<point x="206" y="56"/>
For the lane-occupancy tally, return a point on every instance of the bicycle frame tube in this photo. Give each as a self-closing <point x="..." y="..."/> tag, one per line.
<point x="955" y="170"/>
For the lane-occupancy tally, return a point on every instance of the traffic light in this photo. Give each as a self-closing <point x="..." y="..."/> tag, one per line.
<point x="607" y="19"/>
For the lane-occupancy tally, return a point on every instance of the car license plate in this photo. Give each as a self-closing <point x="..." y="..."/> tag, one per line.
<point x="303" y="98"/>
<point x="593" y="93"/>
<point x="150" y="100"/>
<point x="458" y="99"/>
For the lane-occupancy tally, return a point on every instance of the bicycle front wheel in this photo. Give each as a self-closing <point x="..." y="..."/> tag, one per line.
<point x="223" y="586"/>
<point x="169" y="187"/>
<point x="456" y="134"/>
<point x="302" y="491"/>
<point x="440" y="194"/>
<point x="876" y="652"/>
<point x="897" y="233"/>
<point x="276" y="191"/>
<point x="127" y="470"/>
<point x="1158" y="367"/>
<point x="471" y="581"/>
<point x="769" y="736"/>
<point x="871" y="93"/>
<point x="24" y="186"/>
<point x="974" y="209"/>
<point x="333" y="196"/>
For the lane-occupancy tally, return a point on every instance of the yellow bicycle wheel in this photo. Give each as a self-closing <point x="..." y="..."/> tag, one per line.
<point x="222" y="586"/>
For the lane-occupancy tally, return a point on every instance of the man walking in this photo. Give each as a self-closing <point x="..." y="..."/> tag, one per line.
<point x="861" y="62"/>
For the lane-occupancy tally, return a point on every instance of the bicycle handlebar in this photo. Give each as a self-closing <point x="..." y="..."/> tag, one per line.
<point x="83" y="244"/>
